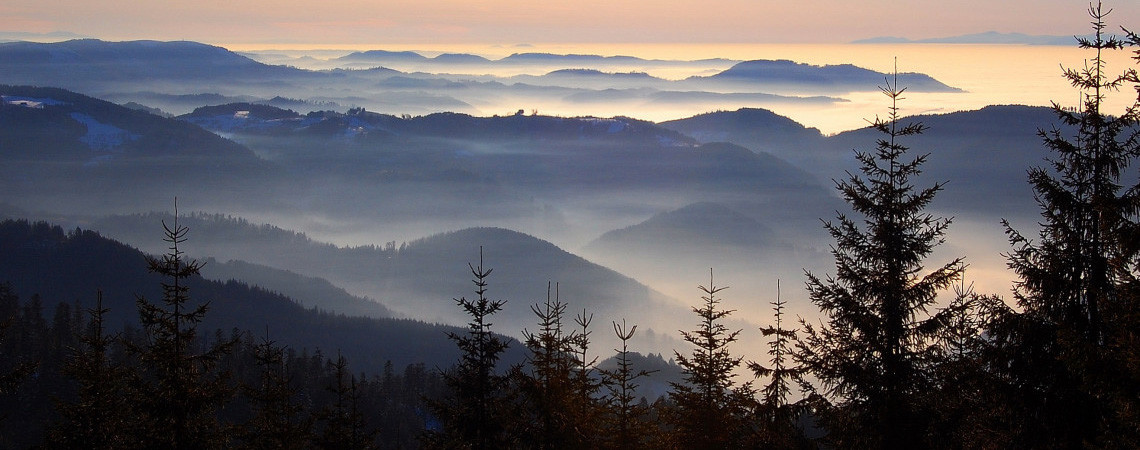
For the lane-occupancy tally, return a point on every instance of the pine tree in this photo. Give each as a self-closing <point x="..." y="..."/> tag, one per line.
<point x="710" y="412"/>
<point x="180" y="391"/>
<point x="1066" y="351"/>
<point x="873" y="353"/>
<point x="472" y="416"/>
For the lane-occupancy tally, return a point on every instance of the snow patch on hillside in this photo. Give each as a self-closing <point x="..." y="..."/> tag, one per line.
<point x="30" y="102"/>
<point x="100" y="136"/>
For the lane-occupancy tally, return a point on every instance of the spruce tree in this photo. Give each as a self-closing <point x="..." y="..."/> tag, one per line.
<point x="777" y="425"/>
<point x="472" y="416"/>
<point x="1067" y="351"/>
<point x="180" y="392"/>
<point x="710" y="411"/>
<point x="872" y="352"/>
<point x="548" y="387"/>
<point x="624" y="424"/>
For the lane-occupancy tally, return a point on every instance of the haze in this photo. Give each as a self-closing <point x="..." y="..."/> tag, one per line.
<point x="346" y="198"/>
<point x="509" y="22"/>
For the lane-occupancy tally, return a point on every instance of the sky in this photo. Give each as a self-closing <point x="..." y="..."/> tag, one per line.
<point x="513" y="22"/>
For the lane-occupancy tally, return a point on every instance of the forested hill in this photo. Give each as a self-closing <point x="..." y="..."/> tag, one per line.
<point x="70" y="267"/>
<point x="60" y="146"/>
<point x="83" y="63"/>
<point x="421" y="277"/>
<point x="983" y="154"/>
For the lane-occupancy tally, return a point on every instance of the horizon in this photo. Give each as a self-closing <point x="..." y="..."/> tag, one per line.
<point x="511" y="22"/>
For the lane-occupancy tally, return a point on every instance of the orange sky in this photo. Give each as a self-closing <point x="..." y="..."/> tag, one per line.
<point x="506" y="22"/>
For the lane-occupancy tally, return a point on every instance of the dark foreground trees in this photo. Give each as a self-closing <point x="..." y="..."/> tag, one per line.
<point x="1068" y="355"/>
<point x="873" y="354"/>
<point x="180" y="390"/>
<point x="473" y="414"/>
<point x="710" y="411"/>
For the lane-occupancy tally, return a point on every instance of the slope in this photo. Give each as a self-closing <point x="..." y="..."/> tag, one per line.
<point x="58" y="145"/>
<point x="70" y="267"/>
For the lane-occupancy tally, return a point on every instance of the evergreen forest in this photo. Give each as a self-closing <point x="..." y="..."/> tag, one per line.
<point x="905" y="354"/>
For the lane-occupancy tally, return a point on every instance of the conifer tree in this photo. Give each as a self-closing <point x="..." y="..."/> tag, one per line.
<point x="180" y="390"/>
<point x="101" y="416"/>
<point x="586" y="409"/>
<point x="710" y="412"/>
<point x="872" y="353"/>
<point x="1067" y="352"/>
<point x="962" y="381"/>
<point x="13" y="368"/>
<point x="279" y="420"/>
<point x="344" y="427"/>
<point x="777" y="427"/>
<point x="625" y="427"/>
<point x="471" y="417"/>
<point x="550" y="387"/>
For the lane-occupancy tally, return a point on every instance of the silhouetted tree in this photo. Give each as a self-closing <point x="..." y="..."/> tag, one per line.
<point x="344" y="427"/>
<point x="14" y="366"/>
<point x="180" y="392"/>
<point x="549" y="387"/>
<point x="471" y="416"/>
<point x="873" y="355"/>
<point x="624" y="424"/>
<point x="101" y="417"/>
<point x="710" y="412"/>
<point x="279" y="420"/>
<point x="586" y="409"/>
<point x="962" y="382"/>
<point x="778" y="420"/>
<point x="1067" y="350"/>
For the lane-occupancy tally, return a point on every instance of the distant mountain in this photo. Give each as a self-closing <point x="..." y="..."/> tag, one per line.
<point x="87" y="63"/>
<point x="460" y="58"/>
<point x="142" y="107"/>
<point x="380" y="55"/>
<point x="597" y="73"/>
<point x="843" y="77"/>
<point x="704" y="226"/>
<point x="571" y="58"/>
<point x="310" y="292"/>
<point x="57" y="141"/>
<point x="176" y="101"/>
<point x="684" y="97"/>
<point x="760" y="130"/>
<point x="989" y="37"/>
<point x="421" y="278"/>
<point x="43" y="259"/>
<point x="657" y="383"/>
<point x="437" y="266"/>
<point x="509" y="163"/>
<point x="982" y="154"/>
<point x="405" y="82"/>
<point x="61" y="126"/>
